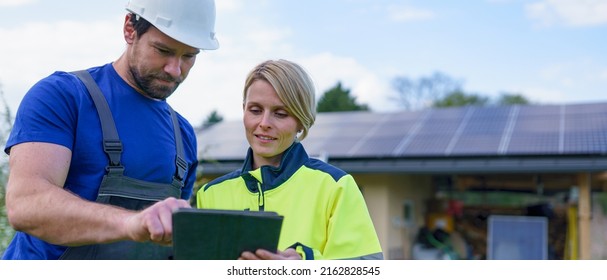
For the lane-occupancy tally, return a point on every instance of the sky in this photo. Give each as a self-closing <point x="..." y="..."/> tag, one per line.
<point x="550" y="51"/>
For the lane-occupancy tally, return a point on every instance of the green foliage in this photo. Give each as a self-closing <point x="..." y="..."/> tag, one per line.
<point x="458" y="99"/>
<point x="497" y="198"/>
<point x="213" y="118"/>
<point x="600" y="198"/>
<point x="6" y="123"/>
<point x="338" y="99"/>
<point x="512" y="99"/>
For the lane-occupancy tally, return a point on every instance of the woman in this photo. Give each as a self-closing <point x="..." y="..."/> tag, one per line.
<point x="325" y="215"/>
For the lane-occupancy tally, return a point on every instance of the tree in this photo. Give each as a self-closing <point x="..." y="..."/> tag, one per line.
<point x="422" y="93"/>
<point x="512" y="99"/>
<point x="459" y="98"/>
<point x="213" y="118"/>
<point x="6" y="124"/>
<point x="338" y="99"/>
<point x="440" y="90"/>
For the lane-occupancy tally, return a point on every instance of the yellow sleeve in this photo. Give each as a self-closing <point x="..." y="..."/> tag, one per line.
<point x="351" y="234"/>
<point x="199" y="195"/>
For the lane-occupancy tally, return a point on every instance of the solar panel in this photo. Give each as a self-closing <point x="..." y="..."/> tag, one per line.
<point x="463" y="131"/>
<point x="537" y="130"/>
<point x="482" y="132"/>
<point x="585" y="131"/>
<point x="436" y="132"/>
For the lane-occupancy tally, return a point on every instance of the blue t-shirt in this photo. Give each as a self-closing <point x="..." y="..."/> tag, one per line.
<point x="58" y="109"/>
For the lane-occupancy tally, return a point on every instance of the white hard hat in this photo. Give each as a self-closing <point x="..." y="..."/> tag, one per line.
<point x="191" y="22"/>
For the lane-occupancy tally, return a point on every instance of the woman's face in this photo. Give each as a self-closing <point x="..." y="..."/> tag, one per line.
<point x="269" y="127"/>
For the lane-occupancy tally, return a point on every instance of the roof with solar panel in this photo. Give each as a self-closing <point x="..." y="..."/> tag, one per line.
<point x="505" y="135"/>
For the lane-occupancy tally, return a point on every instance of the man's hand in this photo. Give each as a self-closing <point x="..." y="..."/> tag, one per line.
<point x="155" y="222"/>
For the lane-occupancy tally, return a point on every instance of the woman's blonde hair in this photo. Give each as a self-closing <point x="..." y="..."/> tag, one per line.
<point x="293" y="86"/>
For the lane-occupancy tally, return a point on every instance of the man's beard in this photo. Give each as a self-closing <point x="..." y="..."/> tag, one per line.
<point x="152" y="90"/>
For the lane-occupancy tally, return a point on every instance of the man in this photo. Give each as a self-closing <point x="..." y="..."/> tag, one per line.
<point x="97" y="174"/>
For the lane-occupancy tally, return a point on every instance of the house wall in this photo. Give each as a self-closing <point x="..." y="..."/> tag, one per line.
<point x="385" y="196"/>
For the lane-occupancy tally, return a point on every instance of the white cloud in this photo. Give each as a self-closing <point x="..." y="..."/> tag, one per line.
<point x="327" y="69"/>
<point x="568" y="12"/>
<point x="408" y="13"/>
<point x="13" y="3"/>
<point x="38" y="49"/>
<point x="216" y="81"/>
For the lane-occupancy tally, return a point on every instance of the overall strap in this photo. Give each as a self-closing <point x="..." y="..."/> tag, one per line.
<point x="180" y="162"/>
<point x="111" y="142"/>
<point x="112" y="145"/>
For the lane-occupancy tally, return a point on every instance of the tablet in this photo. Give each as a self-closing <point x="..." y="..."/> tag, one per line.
<point x="210" y="234"/>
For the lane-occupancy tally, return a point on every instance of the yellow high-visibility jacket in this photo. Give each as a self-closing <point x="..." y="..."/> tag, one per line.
<point x="325" y="214"/>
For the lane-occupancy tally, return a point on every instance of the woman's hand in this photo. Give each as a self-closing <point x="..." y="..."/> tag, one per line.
<point x="261" y="254"/>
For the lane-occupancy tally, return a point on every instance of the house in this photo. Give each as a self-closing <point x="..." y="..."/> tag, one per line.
<point x="453" y="168"/>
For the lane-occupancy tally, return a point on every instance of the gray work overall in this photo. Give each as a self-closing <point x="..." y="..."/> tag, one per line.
<point x="119" y="190"/>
